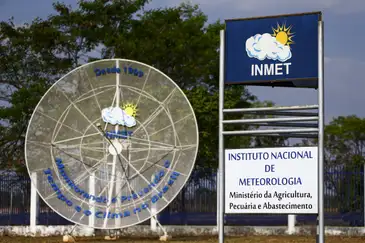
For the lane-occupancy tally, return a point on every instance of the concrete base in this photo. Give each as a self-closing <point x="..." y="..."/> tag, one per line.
<point x="177" y="231"/>
<point x="165" y="237"/>
<point x="68" y="238"/>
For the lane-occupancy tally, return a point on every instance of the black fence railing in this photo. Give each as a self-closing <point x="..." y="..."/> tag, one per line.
<point x="196" y="204"/>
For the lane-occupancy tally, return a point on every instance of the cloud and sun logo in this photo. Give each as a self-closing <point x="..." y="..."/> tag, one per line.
<point x="124" y="116"/>
<point x="130" y="109"/>
<point x="275" y="46"/>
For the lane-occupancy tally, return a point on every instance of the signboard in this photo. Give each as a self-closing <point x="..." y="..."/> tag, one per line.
<point x="275" y="50"/>
<point x="271" y="180"/>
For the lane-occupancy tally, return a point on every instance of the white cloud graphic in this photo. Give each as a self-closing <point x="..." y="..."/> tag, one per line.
<point x="266" y="46"/>
<point x="115" y="115"/>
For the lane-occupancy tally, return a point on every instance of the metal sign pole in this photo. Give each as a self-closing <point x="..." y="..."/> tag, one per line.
<point x="221" y="141"/>
<point x="320" y="229"/>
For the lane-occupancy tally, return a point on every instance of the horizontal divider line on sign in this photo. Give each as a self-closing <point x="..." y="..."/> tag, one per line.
<point x="248" y="121"/>
<point x="274" y="131"/>
<point x="285" y="135"/>
<point x="288" y="135"/>
<point x="274" y="108"/>
<point x="285" y="124"/>
<point x="281" y="113"/>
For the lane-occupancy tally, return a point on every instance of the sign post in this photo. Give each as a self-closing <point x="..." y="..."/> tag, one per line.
<point x="275" y="51"/>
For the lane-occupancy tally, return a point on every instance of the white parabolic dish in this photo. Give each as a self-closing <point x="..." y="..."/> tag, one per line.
<point x="110" y="143"/>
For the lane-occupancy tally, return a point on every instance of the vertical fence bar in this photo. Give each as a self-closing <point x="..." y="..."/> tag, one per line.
<point x="11" y="206"/>
<point x="218" y="196"/>
<point x="363" y="192"/>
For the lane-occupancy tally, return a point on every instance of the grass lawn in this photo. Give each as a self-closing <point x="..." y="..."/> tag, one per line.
<point x="246" y="239"/>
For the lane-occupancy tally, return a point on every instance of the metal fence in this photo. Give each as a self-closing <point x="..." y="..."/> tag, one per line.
<point x="196" y="204"/>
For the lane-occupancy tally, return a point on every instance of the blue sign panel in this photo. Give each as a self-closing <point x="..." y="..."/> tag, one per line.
<point x="277" y="50"/>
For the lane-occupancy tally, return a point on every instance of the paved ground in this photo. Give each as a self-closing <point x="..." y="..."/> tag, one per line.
<point x="246" y="239"/>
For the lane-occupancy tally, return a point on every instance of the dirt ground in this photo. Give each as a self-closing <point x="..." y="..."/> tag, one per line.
<point x="246" y="239"/>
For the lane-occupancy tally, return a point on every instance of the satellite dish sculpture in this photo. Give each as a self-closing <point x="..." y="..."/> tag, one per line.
<point x="109" y="141"/>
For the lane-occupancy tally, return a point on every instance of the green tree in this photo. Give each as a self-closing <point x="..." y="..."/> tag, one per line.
<point x="34" y="56"/>
<point x="344" y="160"/>
<point x="345" y="151"/>
<point x="176" y="40"/>
<point x="28" y="65"/>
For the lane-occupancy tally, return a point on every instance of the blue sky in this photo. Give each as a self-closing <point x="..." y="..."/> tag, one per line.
<point x="344" y="38"/>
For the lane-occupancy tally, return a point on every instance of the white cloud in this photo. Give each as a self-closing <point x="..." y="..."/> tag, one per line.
<point x="266" y="46"/>
<point x="115" y="115"/>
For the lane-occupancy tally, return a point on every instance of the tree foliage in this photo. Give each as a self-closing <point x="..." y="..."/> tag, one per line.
<point x="27" y="68"/>
<point x="344" y="160"/>
<point x="345" y="141"/>
<point x="345" y="150"/>
<point x="177" y="40"/>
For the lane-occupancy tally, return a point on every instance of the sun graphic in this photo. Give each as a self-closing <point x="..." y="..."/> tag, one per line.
<point x="130" y="109"/>
<point x="283" y="34"/>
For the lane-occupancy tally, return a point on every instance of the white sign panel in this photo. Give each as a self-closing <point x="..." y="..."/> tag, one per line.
<point x="271" y="180"/>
